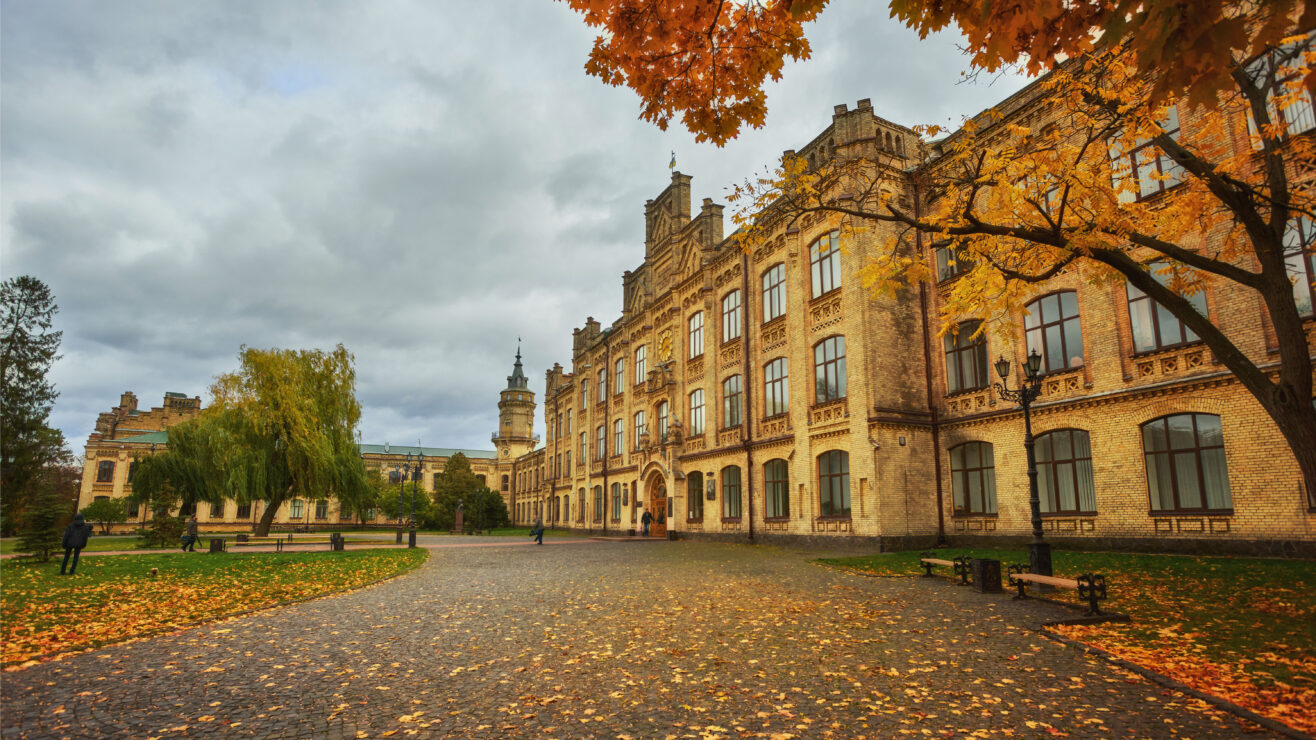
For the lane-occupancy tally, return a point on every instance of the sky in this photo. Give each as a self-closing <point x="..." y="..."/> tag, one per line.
<point x="423" y="182"/>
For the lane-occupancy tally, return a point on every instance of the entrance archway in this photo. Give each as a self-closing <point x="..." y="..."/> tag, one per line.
<point x="657" y="506"/>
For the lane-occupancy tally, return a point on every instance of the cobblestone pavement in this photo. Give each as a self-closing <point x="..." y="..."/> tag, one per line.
<point x="604" y="639"/>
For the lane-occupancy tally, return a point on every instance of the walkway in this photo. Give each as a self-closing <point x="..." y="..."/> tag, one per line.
<point x="600" y="639"/>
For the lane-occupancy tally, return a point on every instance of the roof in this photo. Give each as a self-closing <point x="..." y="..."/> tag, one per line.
<point x="149" y="438"/>
<point x="367" y="449"/>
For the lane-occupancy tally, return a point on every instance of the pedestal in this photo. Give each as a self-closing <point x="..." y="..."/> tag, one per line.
<point x="986" y="575"/>
<point x="411" y="538"/>
<point x="1039" y="558"/>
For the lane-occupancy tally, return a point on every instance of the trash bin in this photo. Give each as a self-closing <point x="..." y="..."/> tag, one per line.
<point x="242" y="538"/>
<point x="217" y="544"/>
<point x="986" y="575"/>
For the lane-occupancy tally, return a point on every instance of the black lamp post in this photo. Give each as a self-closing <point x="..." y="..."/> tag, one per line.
<point x="1039" y="552"/>
<point x="415" y="484"/>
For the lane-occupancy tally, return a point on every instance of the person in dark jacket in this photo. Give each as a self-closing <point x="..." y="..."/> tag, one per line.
<point x="537" y="531"/>
<point x="646" y="520"/>
<point x="189" y="541"/>
<point x="75" y="538"/>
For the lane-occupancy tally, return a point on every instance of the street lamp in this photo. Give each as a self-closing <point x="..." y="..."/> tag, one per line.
<point x="415" y="484"/>
<point x="1039" y="552"/>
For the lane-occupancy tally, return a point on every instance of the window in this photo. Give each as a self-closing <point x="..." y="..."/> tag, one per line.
<point x="973" y="478"/>
<point x="557" y="465"/>
<point x="640" y="428"/>
<point x="1064" y="472"/>
<point x="105" y="471"/>
<point x="834" y="483"/>
<point x="217" y="510"/>
<point x="394" y="476"/>
<point x="505" y="483"/>
<point x="640" y="367"/>
<point x="1153" y="170"/>
<point x="696" y="334"/>
<point x="732" y="397"/>
<point x="580" y="505"/>
<point x="731" y="492"/>
<point x="829" y="369"/>
<point x="598" y="503"/>
<point x="322" y="509"/>
<point x="568" y="429"/>
<point x="132" y="470"/>
<point x="1051" y="329"/>
<point x="731" y="316"/>
<point x="1186" y="469"/>
<point x="774" y="292"/>
<point x="603" y="385"/>
<point x="618" y="437"/>
<point x="130" y="506"/>
<point x="296" y="509"/>
<point x="825" y="264"/>
<point x="1153" y="326"/>
<point x="566" y="469"/>
<point x="600" y="443"/>
<point x="776" y="494"/>
<point x="619" y="376"/>
<point x="244" y="511"/>
<point x="694" y="499"/>
<point x="584" y="394"/>
<point x="1277" y="74"/>
<point x="776" y="390"/>
<point x="1299" y="255"/>
<point x="697" y="412"/>
<point x="952" y="262"/>
<point x="662" y="421"/>
<point x="584" y="447"/>
<point x="616" y="502"/>
<point x="368" y="516"/>
<point x="966" y="359"/>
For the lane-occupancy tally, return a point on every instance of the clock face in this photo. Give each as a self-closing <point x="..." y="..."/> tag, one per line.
<point x="506" y="452"/>
<point x="665" y="346"/>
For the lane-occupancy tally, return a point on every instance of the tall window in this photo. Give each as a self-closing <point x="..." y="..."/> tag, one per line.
<point x="603" y="385"/>
<point x="1300" y="257"/>
<point x="966" y="359"/>
<point x="834" y="483"/>
<point x="618" y="437"/>
<point x="1064" y="472"/>
<point x="244" y="511"/>
<point x="829" y="369"/>
<point x="580" y="505"/>
<point x="696" y="334"/>
<point x="1282" y="66"/>
<point x="217" y="510"/>
<point x="584" y="393"/>
<point x="1051" y="329"/>
<point x="776" y="391"/>
<point x="825" y="264"/>
<point x="640" y="428"/>
<point x="1152" y="170"/>
<point x="694" y="500"/>
<point x="731" y="492"/>
<point x="130" y="506"/>
<point x="567" y="430"/>
<point x="105" y="471"/>
<point x="1186" y="469"/>
<point x="321" y="509"/>
<point x="641" y="366"/>
<point x="1154" y="327"/>
<point x="697" y="412"/>
<point x="598" y="503"/>
<point x="616" y="502"/>
<point x="619" y="377"/>
<point x="952" y="262"/>
<point x="567" y="456"/>
<point x="774" y="292"/>
<point x="731" y="316"/>
<point x="505" y="483"/>
<point x="584" y="447"/>
<point x="600" y="443"/>
<point x="776" y="494"/>
<point x="973" y="478"/>
<point x="662" y="421"/>
<point x="732" y="398"/>
<point x="132" y="470"/>
<point x="296" y="508"/>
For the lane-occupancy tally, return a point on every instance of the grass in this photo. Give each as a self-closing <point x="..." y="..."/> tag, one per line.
<point x="116" y="598"/>
<point x="525" y="532"/>
<point x="1242" y="628"/>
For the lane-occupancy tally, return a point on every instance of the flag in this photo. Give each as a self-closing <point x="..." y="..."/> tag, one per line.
<point x="672" y="164"/>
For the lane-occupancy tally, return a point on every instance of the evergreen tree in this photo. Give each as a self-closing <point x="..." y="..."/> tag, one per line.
<point x="43" y="522"/>
<point x="457" y="483"/>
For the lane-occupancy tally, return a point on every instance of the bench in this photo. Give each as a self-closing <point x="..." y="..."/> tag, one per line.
<point x="959" y="564"/>
<point x="1091" y="587"/>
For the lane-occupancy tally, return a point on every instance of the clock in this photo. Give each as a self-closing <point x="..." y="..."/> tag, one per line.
<point x="665" y="346"/>
<point x="506" y="452"/>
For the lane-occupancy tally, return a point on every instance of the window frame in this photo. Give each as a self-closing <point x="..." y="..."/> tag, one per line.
<point x="619" y="376"/>
<point x="322" y="508"/>
<point x="1170" y="453"/>
<point x="641" y="363"/>
<point x="829" y="373"/>
<point x="731" y="493"/>
<point x="696" y="412"/>
<point x="1040" y="331"/>
<point x="105" y="471"/>
<point x="825" y="265"/>
<point x="731" y="316"/>
<point x="986" y="474"/>
<point x="733" y="401"/>
<point x="774" y="292"/>
<point x="1048" y="475"/>
<point x="694" y="496"/>
<point x="603" y="384"/>
<point x="663" y="417"/>
<point x="833" y="484"/>
<point x="616" y="502"/>
<point x="953" y="345"/>
<point x="776" y="490"/>
<point x="951" y="262"/>
<point x="1299" y="246"/>
<point x="618" y="436"/>
<point x="776" y="390"/>
<point x="601" y="442"/>
<point x="695" y="335"/>
<point x="1138" y="162"/>
<point x="296" y="508"/>
<point x="1155" y="312"/>
<point x="640" y="426"/>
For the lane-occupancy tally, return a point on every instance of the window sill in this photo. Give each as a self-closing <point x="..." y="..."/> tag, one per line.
<point x="1144" y="354"/>
<point x="834" y="518"/>
<point x="731" y="520"/>
<point x="973" y="515"/>
<point x="966" y="391"/>
<point x="1193" y="512"/>
<point x="829" y="294"/>
<point x="1066" y="514"/>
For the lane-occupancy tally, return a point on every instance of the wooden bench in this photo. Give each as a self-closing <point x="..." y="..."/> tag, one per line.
<point x="960" y="565"/>
<point x="1091" y="587"/>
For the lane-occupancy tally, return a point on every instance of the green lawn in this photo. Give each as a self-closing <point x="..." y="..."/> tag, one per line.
<point x="97" y="543"/>
<point x="114" y="598"/>
<point x="1212" y="620"/>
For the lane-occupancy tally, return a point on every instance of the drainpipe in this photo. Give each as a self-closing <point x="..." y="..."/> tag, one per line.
<point x="607" y="424"/>
<point x="747" y="383"/>
<point x="927" y="374"/>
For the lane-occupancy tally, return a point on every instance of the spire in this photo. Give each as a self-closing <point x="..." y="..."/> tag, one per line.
<point x="517" y="379"/>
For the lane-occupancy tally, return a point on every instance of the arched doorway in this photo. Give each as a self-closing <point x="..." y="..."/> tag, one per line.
<point x="658" y="506"/>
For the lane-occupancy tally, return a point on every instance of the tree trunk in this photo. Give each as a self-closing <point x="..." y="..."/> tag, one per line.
<point x="267" y="517"/>
<point x="1296" y="420"/>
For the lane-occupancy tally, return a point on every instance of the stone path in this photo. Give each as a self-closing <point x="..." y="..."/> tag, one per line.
<point x="601" y="639"/>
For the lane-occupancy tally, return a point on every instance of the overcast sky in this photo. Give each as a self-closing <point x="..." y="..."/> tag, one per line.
<point x="421" y="181"/>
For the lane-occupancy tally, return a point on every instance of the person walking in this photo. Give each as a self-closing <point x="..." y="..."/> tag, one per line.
<point x="646" y="520"/>
<point x="75" y="538"/>
<point x="538" y="530"/>
<point x="189" y="542"/>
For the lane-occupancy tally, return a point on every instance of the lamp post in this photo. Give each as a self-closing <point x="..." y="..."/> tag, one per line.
<point x="1039" y="552"/>
<point x="415" y="484"/>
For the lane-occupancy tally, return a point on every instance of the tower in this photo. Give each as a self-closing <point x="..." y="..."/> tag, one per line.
<point x="516" y="415"/>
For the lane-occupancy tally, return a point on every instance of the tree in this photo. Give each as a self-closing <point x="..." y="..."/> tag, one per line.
<point x="457" y="483"/>
<point x="43" y="522"/>
<point x="707" y="60"/>
<point x="28" y="349"/>
<point x="487" y="510"/>
<point x="105" y="511"/>
<point x="396" y="502"/>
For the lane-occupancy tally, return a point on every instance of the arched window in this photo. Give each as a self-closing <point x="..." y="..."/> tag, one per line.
<point x="731" y="316"/>
<point x="900" y="145"/>
<point x="696" y="334"/>
<point x="603" y="384"/>
<point x="580" y="504"/>
<point x="505" y="482"/>
<point x="1300" y="259"/>
<point x="825" y="264"/>
<point x="616" y="502"/>
<point x="1052" y="330"/>
<point x="600" y="442"/>
<point x="732" y="413"/>
<point x="641" y="365"/>
<point x="598" y="503"/>
<point x="776" y="391"/>
<point x="619" y="377"/>
<point x="640" y="428"/>
<point x="1186" y="469"/>
<point x="694" y="500"/>
<point x="829" y="369"/>
<point x="618" y="437"/>
<point x="890" y="146"/>
<point x="731" y="492"/>
<point x="394" y="476"/>
<point x="1064" y="472"/>
<point x="697" y="412"/>
<point x="966" y="359"/>
<point x="1153" y="326"/>
<point x="834" y="483"/>
<point x="952" y="262"/>
<point x="774" y="292"/>
<point x="776" y="494"/>
<point x="973" y="478"/>
<point x="662" y="416"/>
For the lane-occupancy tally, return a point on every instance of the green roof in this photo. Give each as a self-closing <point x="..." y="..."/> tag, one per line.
<point x="150" y="438"/>
<point x="366" y="449"/>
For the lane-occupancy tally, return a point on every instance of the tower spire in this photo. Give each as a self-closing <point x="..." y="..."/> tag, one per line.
<point x="517" y="380"/>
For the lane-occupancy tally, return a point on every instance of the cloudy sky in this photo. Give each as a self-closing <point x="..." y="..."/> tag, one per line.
<point x="421" y="181"/>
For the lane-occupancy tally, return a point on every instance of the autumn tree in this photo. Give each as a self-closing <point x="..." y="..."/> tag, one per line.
<point x="457" y="483"/>
<point x="105" y="511"/>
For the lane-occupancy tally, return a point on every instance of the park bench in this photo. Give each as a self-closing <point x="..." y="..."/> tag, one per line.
<point x="960" y="565"/>
<point x="1091" y="587"/>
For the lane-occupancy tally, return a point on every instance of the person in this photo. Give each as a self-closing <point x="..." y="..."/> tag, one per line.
<point x="646" y="520"/>
<point x="75" y="538"/>
<point x="538" y="530"/>
<point x="189" y="541"/>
